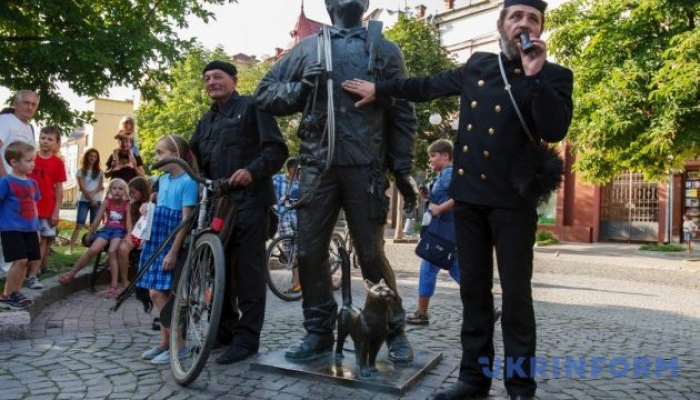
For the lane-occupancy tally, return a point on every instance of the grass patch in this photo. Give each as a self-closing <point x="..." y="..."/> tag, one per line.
<point x="662" y="247"/>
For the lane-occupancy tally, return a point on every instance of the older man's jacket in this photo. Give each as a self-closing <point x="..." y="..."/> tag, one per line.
<point x="239" y="136"/>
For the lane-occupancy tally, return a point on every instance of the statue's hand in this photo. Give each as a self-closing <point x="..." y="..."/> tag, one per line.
<point x="409" y="190"/>
<point x="311" y="72"/>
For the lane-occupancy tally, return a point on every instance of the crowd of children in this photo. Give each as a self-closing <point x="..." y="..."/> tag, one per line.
<point x="31" y="197"/>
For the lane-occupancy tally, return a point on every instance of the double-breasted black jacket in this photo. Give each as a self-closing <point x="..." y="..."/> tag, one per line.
<point x="490" y="133"/>
<point x="237" y="136"/>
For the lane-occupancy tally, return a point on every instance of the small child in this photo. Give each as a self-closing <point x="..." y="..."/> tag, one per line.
<point x="441" y="219"/>
<point x="689" y="229"/>
<point x="177" y="196"/>
<point x="19" y="222"/>
<point x="115" y="216"/>
<point x="50" y="173"/>
<point x="127" y="130"/>
<point x="90" y="181"/>
<point x="139" y="193"/>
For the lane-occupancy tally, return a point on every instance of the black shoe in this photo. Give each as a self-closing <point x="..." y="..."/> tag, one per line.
<point x="521" y="397"/>
<point x="222" y="339"/>
<point x="235" y="354"/>
<point x="462" y="391"/>
<point x="400" y="350"/>
<point x="313" y="345"/>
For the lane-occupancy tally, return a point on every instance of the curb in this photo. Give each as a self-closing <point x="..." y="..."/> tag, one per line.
<point x="17" y="328"/>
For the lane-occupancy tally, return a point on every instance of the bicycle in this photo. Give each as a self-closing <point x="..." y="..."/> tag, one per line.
<point x="282" y="262"/>
<point x="199" y="296"/>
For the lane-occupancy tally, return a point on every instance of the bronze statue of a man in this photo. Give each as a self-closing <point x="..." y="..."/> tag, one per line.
<point x="345" y="154"/>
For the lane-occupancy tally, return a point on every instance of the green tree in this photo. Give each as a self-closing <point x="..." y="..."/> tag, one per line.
<point x="181" y="102"/>
<point x="424" y="55"/>
<point x="91" y="45"/>
<point x="636" y="65"/>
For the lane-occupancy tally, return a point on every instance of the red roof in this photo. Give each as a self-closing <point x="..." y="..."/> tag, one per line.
<point x="303" y="28"/>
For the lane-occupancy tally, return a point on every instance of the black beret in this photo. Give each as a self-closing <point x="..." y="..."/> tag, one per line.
<point x="222" y="65"/>
<point x="538" y="4"/>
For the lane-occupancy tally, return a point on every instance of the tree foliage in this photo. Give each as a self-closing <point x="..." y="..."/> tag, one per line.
<point x="424" y="55"/>
<point x="91" y="45"/>
<point x="636" y="65"/>
<point x="179" y="104"/>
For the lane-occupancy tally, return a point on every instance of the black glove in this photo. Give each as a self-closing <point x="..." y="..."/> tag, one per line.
<point x="311" y="72"/>
<point x="409" y="190"/>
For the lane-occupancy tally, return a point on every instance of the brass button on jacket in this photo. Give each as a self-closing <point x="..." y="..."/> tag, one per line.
<point x="518" y="71"/>
<point x="486" y="153"/>
<point x="460" y="172"/>
<point x="483" y="177"/>
<point x="480" y="83"/>
<point x="491" y="131"/>
<point x="469" y="127"/>
<point x="497" y="108"/>
<point x="474" y="103"/>
<point x="465" y="148"/>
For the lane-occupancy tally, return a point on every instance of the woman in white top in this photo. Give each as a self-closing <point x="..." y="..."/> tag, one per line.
<point x="90" y="181"/>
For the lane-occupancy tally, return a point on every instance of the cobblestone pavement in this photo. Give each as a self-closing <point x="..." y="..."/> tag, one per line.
<point x="584" y="309"/>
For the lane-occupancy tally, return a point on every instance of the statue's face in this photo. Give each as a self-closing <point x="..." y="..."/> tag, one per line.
<point x="355" y="7"/>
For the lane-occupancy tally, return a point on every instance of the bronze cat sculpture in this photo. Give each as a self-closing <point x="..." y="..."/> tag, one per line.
<point x="367" y="327"/>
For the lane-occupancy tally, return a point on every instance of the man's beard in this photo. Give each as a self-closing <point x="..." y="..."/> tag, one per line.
<point x="507" y="47"/>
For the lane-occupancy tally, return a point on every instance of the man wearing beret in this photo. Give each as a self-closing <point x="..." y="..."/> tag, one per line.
<point x="368" y="142"/>
<point x="489" y="211"/>
<point x="237" y="141"/>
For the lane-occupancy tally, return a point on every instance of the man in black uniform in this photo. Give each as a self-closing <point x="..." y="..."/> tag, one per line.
<point x="237" y="141"/>
<point x="367" y="142"/>
<point x="489" y="212"/>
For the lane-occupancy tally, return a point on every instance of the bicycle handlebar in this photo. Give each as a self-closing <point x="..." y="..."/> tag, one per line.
<point x="221" y="184"/>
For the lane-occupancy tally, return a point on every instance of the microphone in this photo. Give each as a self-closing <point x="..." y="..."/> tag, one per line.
<point x="525" y="42"/>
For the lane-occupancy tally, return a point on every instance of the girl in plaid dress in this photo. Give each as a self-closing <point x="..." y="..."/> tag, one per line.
<point x="177" y="196"/>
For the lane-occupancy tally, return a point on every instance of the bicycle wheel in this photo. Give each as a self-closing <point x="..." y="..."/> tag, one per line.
<point x="334" y="259"/>
<point x="197" y="308"/>
<point x="281" y="265"/>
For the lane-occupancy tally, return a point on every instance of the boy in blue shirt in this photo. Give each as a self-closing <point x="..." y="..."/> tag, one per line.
<point x="19" y="222"/>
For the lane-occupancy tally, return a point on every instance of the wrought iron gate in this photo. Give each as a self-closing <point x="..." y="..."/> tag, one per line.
<point x="630" y="209"/>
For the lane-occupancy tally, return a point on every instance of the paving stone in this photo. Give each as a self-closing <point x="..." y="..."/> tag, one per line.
<point x="583" y="309"/>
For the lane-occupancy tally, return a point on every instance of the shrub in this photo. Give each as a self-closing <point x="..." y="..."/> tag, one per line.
<point x="661" y="247"/>
<point x="544" y="238"/>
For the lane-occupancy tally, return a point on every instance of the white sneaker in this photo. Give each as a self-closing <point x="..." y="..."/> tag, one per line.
<point x="162" y="358"/>
<point x="152" y="353"/>
<point x="34" y="283"/>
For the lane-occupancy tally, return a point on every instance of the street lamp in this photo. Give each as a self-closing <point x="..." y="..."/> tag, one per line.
<point x="435" y="119"/>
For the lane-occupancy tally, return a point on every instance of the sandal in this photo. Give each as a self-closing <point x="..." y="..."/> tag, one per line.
<point x="112" y="292"/>
<point x="66" y="278"/>
<point x="417" y="319"/>
<point x="293" y="290"/>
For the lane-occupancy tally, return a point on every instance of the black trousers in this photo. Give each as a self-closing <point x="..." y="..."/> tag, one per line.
<point x="345" y="187"/>
<point x="512" y="233"/>
<point x="244" y="306"/>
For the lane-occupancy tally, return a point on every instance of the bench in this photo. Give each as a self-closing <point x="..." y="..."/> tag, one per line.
<point x="99" y="266"/>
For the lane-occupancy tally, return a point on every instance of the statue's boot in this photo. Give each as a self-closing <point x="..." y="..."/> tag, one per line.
<point x="400" y="350"/>
<point x="312" y="346"/>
